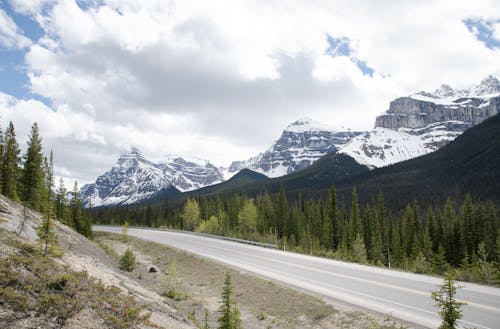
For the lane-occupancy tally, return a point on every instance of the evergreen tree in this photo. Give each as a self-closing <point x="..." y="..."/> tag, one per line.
<point x="60" y="204"/>
<point x="356" y="226"/>
<point x="205" y="320"/>
<point x="76" y="209"/>
<point x="10" y="164"/>
<point x="127" y="261"/>
<point x="445" y="301"/>
<point x="359" y="250"/>
<point x="32" y="180"/>
<point x="229" y="315"/>
<point x="46" y="233"/>
<point x="281" y="213"/>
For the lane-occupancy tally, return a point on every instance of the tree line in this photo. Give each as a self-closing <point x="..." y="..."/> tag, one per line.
<point x="463" y="236"/>
<point x="29" y="179"/>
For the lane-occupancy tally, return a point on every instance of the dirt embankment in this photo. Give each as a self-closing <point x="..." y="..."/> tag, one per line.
<point x="101" y="281"/>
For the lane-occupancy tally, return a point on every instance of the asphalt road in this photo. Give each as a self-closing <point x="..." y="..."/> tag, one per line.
<point x="403" y="295"/>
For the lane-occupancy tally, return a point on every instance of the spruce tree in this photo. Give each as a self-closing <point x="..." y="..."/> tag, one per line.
<point x="359" y="250"/>
<point x="76" y="209"/>
<point x="356" y="226"/>
<point x="445" y="301"/>
<point x="32" y="180"/>
<point x="127" y="261"/>
<point x="46" y="233"/>
<point x="60" y="204"/>
<point x="10" y="164"/>
<point x="229" y="315"/>
<point x="281" y="213"/>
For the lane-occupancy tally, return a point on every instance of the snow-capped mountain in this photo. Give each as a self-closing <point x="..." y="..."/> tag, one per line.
<point x="134" y="179"/>
<point x="300" y="144"/>
<point x="423" y="122"/>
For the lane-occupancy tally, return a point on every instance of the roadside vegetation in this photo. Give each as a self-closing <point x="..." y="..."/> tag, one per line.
<point x="464" y="237"/>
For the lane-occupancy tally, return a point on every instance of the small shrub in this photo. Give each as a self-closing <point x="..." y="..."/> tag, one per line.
<point x="261" y="316"/>
<point x="17" y="300"/>
<point x="108" y="249"/>
<point x="127" y="261"/>
<point x="175" y="294"/>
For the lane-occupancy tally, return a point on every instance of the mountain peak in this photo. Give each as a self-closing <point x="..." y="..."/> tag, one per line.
<point x="131" y="157"/>
<point x="445" y="91"/>
<point x="489" y="85"/>
<point x="307" y="124"/>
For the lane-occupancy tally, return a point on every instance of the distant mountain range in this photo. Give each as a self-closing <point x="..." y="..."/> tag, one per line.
<point x="423" y="122"/>
<point x="469" y="164"/>
<point x="301" y="143"/>
<point x="134" y="179"/>
<point x="412" y="126"/>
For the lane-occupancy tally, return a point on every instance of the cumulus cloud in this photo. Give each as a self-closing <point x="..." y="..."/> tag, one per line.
<point x="11" y="36"/>
<point x="220" y="80"/>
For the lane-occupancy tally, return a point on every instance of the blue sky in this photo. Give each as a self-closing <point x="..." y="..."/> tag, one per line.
<point x="13" y="74"/>
<point x="196" y="78"/>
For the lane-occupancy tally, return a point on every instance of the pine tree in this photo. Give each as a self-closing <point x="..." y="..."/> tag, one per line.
<point x="10" y="164"/>
<point x="281" y="213"/>
<point x="46" y="233"/>
<point x="127" y="261"/>
<point x="359" y="250"/>
<point x="60" y="204"/>
<point x="229" y="317"/>
<point x="445" y="301"/>
<point x="205" y="320"/>
<point x="356" y="226"/>
<point x="32" y="180"/>
<point x="76" y="209"/>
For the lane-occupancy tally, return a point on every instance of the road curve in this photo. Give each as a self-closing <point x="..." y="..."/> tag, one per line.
<point x="403" y="295"/>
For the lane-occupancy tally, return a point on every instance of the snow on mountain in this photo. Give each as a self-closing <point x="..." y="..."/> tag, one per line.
<point x="134" y="179"/>
<point x="424" y="122"/>
<point x="381" y="147"/>
<point x="300" y="144"/>
<point x="192" y="174"/>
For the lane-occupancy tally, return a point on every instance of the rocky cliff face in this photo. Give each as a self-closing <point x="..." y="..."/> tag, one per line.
<point x="414" y="113"/>
<point x="423" y="122"/>
<point x="300" y="144"/>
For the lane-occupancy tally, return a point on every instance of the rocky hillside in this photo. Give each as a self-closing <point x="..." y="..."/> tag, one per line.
<point x="423" y="122"/>
<point x="300" y="144"/>
<point x="81" y="289"/>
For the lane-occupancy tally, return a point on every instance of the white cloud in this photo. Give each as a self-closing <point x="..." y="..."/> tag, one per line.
<point x="220" y="80"/>
<point x="496" y="31"/>
<point x="11" y="36"/>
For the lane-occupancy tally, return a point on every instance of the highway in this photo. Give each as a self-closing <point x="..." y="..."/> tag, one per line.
<point x="402" y="295"/>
